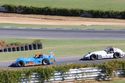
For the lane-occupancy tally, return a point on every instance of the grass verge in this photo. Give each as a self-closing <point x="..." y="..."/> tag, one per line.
<point x="117" y="5"/>
<point x="63" y="48"/>
<point x="115" y="80"/>
<point x="79" y="27"/>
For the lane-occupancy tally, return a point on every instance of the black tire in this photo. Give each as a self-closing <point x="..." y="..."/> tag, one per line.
<point x="21" y="64"/>
<point x="93" y="57"/>
<point x="116" y="55"/>
<point x="45" y="62"/>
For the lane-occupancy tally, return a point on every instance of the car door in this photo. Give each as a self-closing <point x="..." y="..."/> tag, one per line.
<point x="110" y="54"/>
<point x="104" y="54"/>
<point x="38" y="61"/>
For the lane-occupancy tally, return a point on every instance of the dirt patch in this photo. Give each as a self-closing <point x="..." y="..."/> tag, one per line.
<point x="56" y="20"/>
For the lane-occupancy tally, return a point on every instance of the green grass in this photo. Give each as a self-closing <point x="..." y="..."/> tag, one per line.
<point x="82" y="27"/>
<point x="118" y="5"/>
<point x="63" y="48"/>
<point x="115" y="81"/>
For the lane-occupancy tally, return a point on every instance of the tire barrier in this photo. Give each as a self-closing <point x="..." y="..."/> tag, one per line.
<point x="34" y="46"/>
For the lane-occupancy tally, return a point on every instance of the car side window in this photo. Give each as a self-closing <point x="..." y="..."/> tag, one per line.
<point x="110" y="50"/>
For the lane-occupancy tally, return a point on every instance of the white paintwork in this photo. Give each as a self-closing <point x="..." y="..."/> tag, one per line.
<point x="105" y="54"/>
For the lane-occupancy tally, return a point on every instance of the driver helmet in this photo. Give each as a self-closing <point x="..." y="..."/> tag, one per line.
<point x="38" y="54"/>
<point x="110" y="49"/>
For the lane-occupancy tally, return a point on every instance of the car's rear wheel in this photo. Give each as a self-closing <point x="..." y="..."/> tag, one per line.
<point x="21" y="64"/>
<point x="45" y="62"/>
<point x="116" y="55"/>
<point x="93" y="57"/>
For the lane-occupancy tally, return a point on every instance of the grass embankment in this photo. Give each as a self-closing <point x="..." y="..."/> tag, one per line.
<point x="116" y="5"/>
<point x="63" y="48"/>
<point x="115" y="80"/>
<point x="66" y="27"/>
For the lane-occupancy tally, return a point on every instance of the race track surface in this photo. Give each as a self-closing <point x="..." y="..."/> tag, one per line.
<point x="67" y="60"/>
<point x="66" y="34"/>
<point x="60" y="34"/>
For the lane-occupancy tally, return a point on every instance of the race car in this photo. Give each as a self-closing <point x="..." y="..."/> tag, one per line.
<point x="38" y="59"/>
<point x="109" y="52"/>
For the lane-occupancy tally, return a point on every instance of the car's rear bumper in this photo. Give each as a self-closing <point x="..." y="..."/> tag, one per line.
<point x="52" y="61"/>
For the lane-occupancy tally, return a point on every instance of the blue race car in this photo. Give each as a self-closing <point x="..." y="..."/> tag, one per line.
<point x="38" y="59"/>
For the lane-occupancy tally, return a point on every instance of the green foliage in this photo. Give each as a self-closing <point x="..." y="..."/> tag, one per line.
<point x="12" y="76"/>
<point x="117" y="5"/>
<point x="111" y="66"/>
<point x="15" y="44"/>
<point x="37" y="41"/>
<point x="8" y="76"/>
<point x="65" y="11"/>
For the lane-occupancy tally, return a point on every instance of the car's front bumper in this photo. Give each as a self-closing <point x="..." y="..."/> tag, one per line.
<point x="85" y="58"/>
<point x="123" y="55"/>
<point x="14" y="65"/>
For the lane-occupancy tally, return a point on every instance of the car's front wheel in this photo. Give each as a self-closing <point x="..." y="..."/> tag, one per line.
<point x="93" y="57"/>
<point x="45" y="62"/>
<point x="21" y="64"/>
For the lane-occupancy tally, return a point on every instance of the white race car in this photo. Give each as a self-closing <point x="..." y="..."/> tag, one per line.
<point x="107" y="53"/>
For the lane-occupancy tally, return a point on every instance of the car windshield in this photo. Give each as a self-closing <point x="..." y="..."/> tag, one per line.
<point x="109" y="49"/>
<point x="38" y="56"/>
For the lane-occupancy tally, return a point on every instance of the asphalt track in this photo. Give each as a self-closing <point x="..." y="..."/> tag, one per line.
<point x="66" y="34"/>
<point x="65" y="60"/>
<point x="60" y="34"/>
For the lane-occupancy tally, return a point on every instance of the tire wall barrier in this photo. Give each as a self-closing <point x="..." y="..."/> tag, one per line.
<point x="63" y="11"/>
<point x="34" y="46"/>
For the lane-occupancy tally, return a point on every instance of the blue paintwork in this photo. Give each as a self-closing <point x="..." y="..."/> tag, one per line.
<point x="34" y="60"/>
